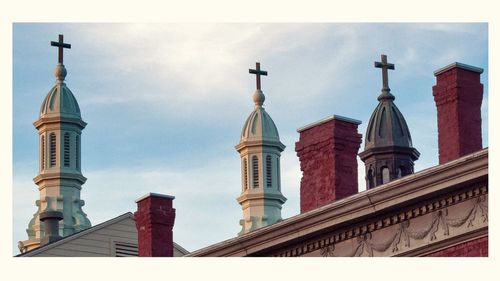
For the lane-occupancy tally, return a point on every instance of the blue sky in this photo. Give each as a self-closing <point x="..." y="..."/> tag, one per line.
<point x="165" y="104"/>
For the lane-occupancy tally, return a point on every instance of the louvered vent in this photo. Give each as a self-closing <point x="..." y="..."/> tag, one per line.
<point x="123" y="249"/>
<point x="269" y="171"/>
<point x="279" y="175"/>
<point x="66" y="149"/>
<point x="43" y="152"/>
<point x="255" y="168"/>
<point x="245" y="173"/>
<point x="52" y="150"/>
<point x="77" y="155"/>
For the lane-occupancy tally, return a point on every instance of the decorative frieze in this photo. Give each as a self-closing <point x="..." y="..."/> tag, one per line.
<point x="394" y="234"/>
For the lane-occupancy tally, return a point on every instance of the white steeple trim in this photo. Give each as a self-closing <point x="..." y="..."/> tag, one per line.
<point x="260" y="150"/>
<point x="60" y="179"/>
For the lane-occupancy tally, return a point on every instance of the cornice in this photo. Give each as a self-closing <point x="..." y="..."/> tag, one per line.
<point x="364" y="230"/>
<point x="383" y="150"/>
<point x="247" y="196"/>
<point x="51" y="176"/>
<point x="246" y="144"/>
<point x="425" y="184"/>
<point x="58" y="119"/>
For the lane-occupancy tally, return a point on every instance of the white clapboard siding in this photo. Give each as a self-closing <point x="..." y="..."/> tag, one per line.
<point x="116" y="238"/>
<point x="98" y="241"/>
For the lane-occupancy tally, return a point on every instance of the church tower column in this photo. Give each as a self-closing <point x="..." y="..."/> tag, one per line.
<point x="260" y="150"/>
<point x="388" y="153"/>
<point x="59" y="179"/>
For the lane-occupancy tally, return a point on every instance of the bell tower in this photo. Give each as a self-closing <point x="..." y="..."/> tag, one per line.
<point x="59" y="179"/>
<point x="260" y="150"/>
<point x="388" y="153"/>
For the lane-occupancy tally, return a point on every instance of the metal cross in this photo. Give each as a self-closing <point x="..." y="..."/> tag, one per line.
<point x="258" y="73"/>
<point x="384" y="65"/>
<point x="60" y="44"/>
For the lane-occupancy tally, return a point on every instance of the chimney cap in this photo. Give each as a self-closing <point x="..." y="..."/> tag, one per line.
<point x="151" y="194"/>
<point x="459" y="65"/>
<point x="326" y="119"/>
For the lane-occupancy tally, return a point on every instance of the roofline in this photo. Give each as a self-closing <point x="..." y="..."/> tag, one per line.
<point x="435" y="179"/>
<point x="181" y="249"/>
<point x="76" y="235"/>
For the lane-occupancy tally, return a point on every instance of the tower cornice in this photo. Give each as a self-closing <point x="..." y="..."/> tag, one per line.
<point x="56" y="176"/>
<point x="58" y="120"/>
<point x="390" y="150"/>
<point x="260" y="143"/>
<point x="258" y="196"/>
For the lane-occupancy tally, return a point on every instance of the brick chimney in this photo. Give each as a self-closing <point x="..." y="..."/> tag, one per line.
<point x="327" y="151"/>
<point x="458" y="94"/>
<point x="154" y="220"/>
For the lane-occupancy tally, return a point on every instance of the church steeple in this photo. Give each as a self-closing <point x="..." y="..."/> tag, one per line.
<point x="260" y="150"/>
<point x="388" y="151"/>
<point x="60" y="179"/>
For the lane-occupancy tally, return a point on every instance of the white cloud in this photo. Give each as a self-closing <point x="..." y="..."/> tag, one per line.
<point x="205" y="65"/>
<point x="454" y="28"/>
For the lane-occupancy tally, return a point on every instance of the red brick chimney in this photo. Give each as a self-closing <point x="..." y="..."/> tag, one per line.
<point x="458" y="94"/>
<point x="154" y="220"/>
<point x="328" y="151"/>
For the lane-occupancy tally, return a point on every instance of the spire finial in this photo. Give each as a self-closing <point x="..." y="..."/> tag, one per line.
<point x="60" y="45"/>
<point x="258" y="96"/>
<point x="386" y="91"/>
<point x="258" y="73"/>
<point x="60" y="71"/>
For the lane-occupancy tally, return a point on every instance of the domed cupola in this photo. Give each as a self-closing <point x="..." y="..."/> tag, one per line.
<point x="260" y="150"/>
<point x="387" y="126"/>
<point x="59" y="210"/>
<point x="60" y="100"/>
<point x="389" y="153"/>
<point x="259" y="125"/>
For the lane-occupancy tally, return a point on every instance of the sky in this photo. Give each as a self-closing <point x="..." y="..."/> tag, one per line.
<point x="165" y="104"/>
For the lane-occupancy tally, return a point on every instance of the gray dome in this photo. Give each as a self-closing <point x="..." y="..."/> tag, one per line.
<point x="259" y="125"/>
<point x="387" y="126"/>
<point x="60" y="100"/>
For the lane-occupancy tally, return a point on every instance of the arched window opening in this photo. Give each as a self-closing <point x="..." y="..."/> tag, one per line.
<point x="255" y="174"/>
<point x="52" y="149"/>
<point x="43" y="152"/>
<point x="385" y="175"/>
<point x="279" y="176"/>
<point x="371" y="182"/>
<point x="77" y="154"/>
<point x="66" y="149"/>
<point x="269" y="171"/>
<point x="399" y="172"/>
<point x="245" y="173"/>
